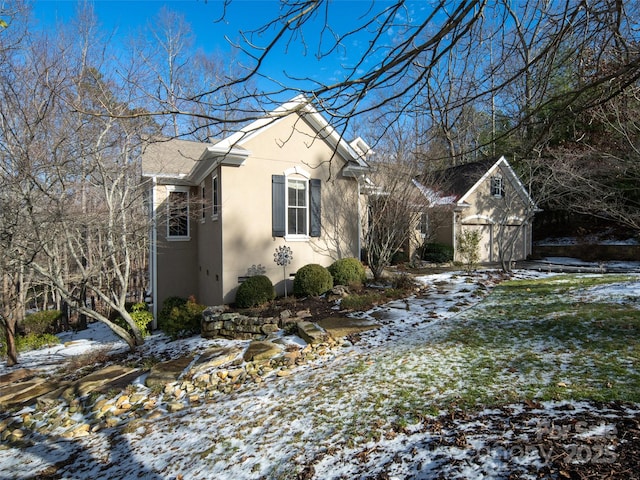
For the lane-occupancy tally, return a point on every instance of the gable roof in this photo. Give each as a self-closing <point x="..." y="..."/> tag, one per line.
<point x="454" y="185"/>
<point x="458" y="180"/>
<point x="170" y="158"/>
<point x="193" y="161"/>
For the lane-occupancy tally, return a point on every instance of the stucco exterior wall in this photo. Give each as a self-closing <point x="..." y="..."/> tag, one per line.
<point x="222" y="248"/>
<point x="246" y="205"/>
<point x="498" y="219"/>
<point x="177" y="259"/>
<point x="210" y="267"/>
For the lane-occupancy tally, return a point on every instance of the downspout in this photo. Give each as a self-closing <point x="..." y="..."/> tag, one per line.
<point x="453" y="233"/>
<point x="359" y="200"/>
<point x="153" y="250"/>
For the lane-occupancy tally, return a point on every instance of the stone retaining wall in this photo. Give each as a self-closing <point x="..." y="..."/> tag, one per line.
<point x="217" y="323"/>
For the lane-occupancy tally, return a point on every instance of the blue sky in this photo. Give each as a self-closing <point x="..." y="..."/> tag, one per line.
<point x="125" y="17"/>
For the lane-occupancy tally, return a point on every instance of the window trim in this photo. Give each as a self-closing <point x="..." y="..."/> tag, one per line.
<point x="497" y="186"/>
<point x="279" y="205"/>
<point x="177" y="189"/>
<point x="306" y="177"/>
<point x="215" y="195"/>
<point x="297" y="236"/>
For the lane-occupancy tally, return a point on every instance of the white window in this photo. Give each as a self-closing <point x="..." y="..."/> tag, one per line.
<point x="497" y="187"/>
<point x="297" y="206"/>
<point x="178" y="213"/>
<point x="215" y="203"/>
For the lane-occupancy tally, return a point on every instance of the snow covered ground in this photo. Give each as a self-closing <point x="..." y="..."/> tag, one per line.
<point x="351" y="414"/>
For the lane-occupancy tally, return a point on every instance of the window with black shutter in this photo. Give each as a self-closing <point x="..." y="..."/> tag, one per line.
<point x="295" y="207"/>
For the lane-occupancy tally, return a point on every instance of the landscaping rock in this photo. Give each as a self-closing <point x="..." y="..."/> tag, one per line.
<point x="340" y="290"/>
<point x="261" y="350"/>
<point x="25" y="393"/>
<point x="338" y="327"/>
<point x="16" y="376"/>
<point x="173" y="407"/>
<point x="167" y="372"/>
<point x="311" y="333"/>
<point x="216" y="323"/>
<point x="112" y="377"/>
<point x="214" y="358"/>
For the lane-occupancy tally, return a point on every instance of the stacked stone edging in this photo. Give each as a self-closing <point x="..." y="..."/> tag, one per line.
<point x="217" y="323"/>
<point x="85" y="416"/>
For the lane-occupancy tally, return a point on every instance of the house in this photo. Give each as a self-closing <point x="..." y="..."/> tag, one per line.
<point x="221" y="208"/>
<point x="485" y="196"/>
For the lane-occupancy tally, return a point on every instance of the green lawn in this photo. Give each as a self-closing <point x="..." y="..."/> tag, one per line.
<point x="528" y="340"/>
<point x="546" y="339"/>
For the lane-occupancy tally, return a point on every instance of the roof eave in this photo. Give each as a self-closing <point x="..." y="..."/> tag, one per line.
<point x="213" y="157"/>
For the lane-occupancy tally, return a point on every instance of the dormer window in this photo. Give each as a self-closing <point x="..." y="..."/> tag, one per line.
<point x="497" y="186"/>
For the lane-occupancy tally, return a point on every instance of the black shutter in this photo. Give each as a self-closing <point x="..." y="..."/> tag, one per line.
<point x="277" y="205"/>
<point x="315" y="190"/>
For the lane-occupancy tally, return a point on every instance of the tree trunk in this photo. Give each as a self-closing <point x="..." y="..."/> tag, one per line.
<point x="10" y="336"/>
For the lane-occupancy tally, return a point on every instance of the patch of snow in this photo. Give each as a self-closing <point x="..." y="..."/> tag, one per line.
<point x="336" y="414"/>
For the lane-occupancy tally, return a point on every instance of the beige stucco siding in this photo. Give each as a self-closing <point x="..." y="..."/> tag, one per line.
<point x="209" y="270"/>
<point x="499" y="219"/>
<point x="246" y="204"/>
<point x="177" y="259"/>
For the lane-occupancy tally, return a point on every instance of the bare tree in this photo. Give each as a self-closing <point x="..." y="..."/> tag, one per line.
<point x="72" y="208"/>
<point x="422" y="45"/>
<point x="24" y="110"/>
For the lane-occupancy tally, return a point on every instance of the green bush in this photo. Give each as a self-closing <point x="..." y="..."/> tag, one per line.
<point x="361" y="302"/>
<point x="254" y="291"/>
<point x="437" y="252"/>
<point x="32" y="341"/>
<point x="312" y="279"/>
<point x="44" y="321"/>
<point x="399" y="258"/>
<point x="180" y="317"/>
<point x="469" y="249"/>
<point x="140" y="314"/>
<point x="347" y="271"/>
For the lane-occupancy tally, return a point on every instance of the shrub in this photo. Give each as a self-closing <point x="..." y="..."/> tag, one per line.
<point x="255" y="291"/>
<point x="180" y="317"/>
<point x="469" y="249"/>
<point x="399" y="258"/>
<point x="361" y="302"/>
<point x="31" y="341"/>
<point x="402" y="281"/>
<point x="140" y="314"/>
<point x="142" y="317"/>
<point x="44" y="321"/>
<point x="312" y="279"/>
<point x="347" y="271"/>
<point x="437" y="252"/>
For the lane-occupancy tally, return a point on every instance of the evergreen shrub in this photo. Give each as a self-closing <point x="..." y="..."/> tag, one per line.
<point x="180" y="317"/>
<point x="312" y="280"/>
<point x="437" y="252"/>
<point x="43" y="321"/>
<point x="140" y="314"/>
<point x="255" y="291"/>
<point x="31" y="341"/>
<point x="347" y="271"/>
